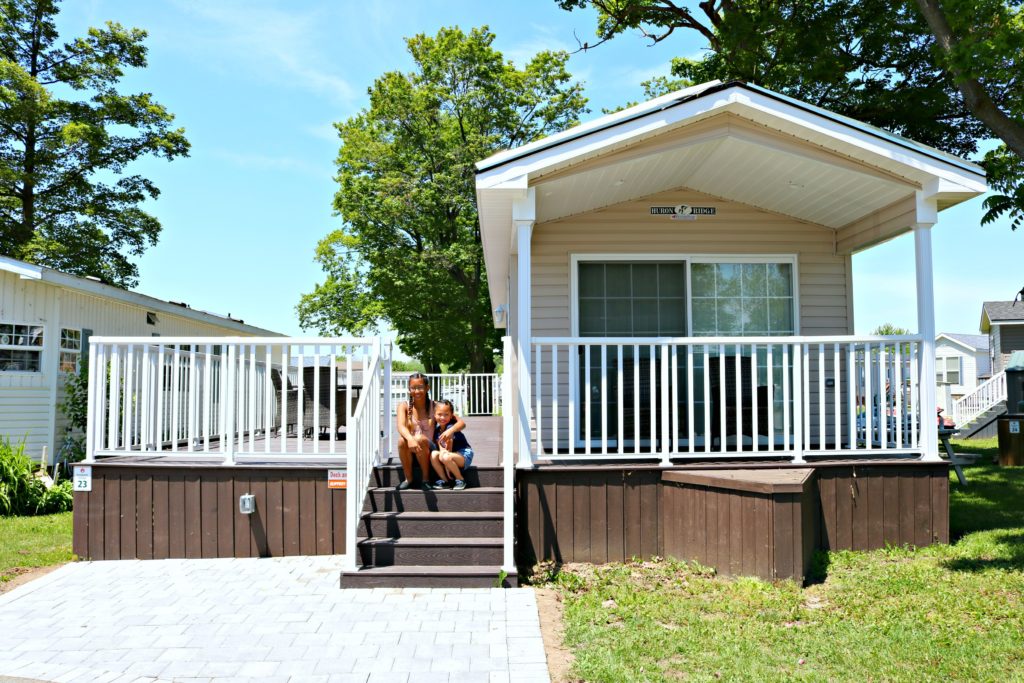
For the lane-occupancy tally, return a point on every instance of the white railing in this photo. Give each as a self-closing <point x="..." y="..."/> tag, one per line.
<point x="984" y="396"/>
<point x="224" y="397"/>
<point x="507" y="464"/>
<point x="470" y="393"/>
<point x="366" y="448"/>
<point x="701" y="397"/>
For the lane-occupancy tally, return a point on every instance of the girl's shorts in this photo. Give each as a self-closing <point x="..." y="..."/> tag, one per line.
<point x="467" y="454"/>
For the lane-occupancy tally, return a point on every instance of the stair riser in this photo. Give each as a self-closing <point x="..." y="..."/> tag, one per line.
<point x="387" y="555"/>
<point x="442" y="501"/>
<point x="367" y="580"/>
<point x="475" y="477"/>
<point x="427" y="528"/>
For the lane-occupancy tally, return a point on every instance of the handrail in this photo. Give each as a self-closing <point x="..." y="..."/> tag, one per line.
<point x="983" y="397"/>
<point x="791" y="339"/>
<point x="507" y="457"/>
<point x="365" y="449"/>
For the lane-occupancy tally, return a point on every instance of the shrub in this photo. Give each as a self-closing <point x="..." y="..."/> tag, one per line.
<point x="21" y="491"/>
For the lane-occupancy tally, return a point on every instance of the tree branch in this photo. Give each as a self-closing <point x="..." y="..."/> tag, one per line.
<point x="976" y="97"/>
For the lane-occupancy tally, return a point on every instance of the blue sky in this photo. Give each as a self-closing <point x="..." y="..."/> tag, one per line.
<point x="257" y="85"/>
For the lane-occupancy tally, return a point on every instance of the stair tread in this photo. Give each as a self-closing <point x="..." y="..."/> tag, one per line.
<point x="433" y="542"/>
<point x="398" y="467"/>
<point x="437" y="515"/>
<point x="420" y="569"/>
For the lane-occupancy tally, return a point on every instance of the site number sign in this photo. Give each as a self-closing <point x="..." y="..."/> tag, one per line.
<point x="83" y="478"/>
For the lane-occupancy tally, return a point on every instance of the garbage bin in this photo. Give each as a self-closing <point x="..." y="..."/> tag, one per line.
<point x="1011" y="426"/>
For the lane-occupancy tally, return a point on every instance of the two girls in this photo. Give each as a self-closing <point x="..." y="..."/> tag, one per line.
<point x="419" y="436"/>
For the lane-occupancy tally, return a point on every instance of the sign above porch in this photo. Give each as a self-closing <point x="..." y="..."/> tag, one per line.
<point x="683" y="212"/>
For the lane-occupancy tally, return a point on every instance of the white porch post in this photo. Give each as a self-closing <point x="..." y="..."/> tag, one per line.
<point x="926" y="328"/>
<point x="524" y="233"/>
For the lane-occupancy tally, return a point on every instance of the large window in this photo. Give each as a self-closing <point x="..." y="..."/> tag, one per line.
<point x="742" y="299"/>
<point x="21" y="347"/>
<point x="643" y="299"/>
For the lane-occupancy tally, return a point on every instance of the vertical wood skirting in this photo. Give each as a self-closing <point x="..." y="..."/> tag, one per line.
<point x="192" y="512"/>
<point x="613" y="514"/>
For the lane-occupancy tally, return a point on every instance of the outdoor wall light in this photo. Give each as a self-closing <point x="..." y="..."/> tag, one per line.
<point x="499" y="313"/>
<point x="247" y="503"/>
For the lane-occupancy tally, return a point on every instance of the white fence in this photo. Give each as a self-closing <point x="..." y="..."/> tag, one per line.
<point x="225" y="397"/>
<point x="367" y="448"/>
<point x="470" y="393"/>
<point x="725" y="397"/>
<point x="984" y="396"/>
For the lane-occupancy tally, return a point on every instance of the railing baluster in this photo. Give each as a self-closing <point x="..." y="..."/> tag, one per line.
<point x="554" y="399"/>
<point x="652" y="397"/>
<point x="586" y="399"/>
<point x="690" y="401"/>
<point x="883" y="400"/>
<point x="666" y="446"/>
<point x="721" y="399"/>
<point x="674" y="383"/>
<point x="851" y="397"/>
<point x="770" y="365"/>
<point x="193" y="397"/>
<point x="915" y="397"/>
<point x="738" y="350"/>
<point x="115" y="397"/>
<point x="897" y="392"/>
<point x="619" y="427"/>
<point x="754" y="417"/>
<point x="538" y="410"/>
<point x="131" y="409"/>
<point x="604" y="399"/>
<point x="636" y="398"/>
<point x="788" y="442"/>
<point x="822" y="413"/>
<point x="207" y="397"/>
<point x="707" y="398"/>
<point x="836" y="398"/>
<point x="572" y="360"/>
<point x="869" y="430"/>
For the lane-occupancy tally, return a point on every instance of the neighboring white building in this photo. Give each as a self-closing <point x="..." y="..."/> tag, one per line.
<point x="961" y="360"/>
<point x="46" y="319"/>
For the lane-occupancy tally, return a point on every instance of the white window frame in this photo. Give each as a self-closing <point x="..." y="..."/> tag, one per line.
<point x="14" y="347"/>
<point x="61" y="350"/>
<point x="687" y="258"/>
<point x="945" y="369"/>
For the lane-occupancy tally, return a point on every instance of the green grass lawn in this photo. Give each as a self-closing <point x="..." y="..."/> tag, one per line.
<point x="29" y="542"/>
<point x="950" y="613"/>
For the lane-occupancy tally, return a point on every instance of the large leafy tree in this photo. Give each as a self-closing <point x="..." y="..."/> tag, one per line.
<point x="946" y="74"/>
<point x="67" y="137"/>
<point x="408" y="253"/>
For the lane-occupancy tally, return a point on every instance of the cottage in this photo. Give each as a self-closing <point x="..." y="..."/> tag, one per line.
<point x="681" y="373"/>
<point x="1003" y="322"/>
<point x="46" y="320"/>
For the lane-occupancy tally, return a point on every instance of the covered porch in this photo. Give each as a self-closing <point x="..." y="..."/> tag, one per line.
<point x="676" y="281"/>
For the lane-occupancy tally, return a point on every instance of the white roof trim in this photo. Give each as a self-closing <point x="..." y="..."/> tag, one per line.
<point x="955" y="341"/>
<point x="29" y="271"/>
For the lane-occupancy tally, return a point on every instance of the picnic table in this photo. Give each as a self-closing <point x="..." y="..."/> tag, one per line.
<point x="944" y="435"/>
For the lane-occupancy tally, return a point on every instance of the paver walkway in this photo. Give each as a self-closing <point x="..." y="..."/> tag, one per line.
<point x="281" y="619"/>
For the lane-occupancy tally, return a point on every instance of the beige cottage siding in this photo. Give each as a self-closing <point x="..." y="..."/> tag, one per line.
<point x="825" y="297"/>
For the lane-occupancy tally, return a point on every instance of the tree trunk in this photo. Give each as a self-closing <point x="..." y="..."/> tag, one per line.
<point x="977" y="99"/>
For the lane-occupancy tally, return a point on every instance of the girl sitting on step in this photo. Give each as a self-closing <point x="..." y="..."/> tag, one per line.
<point x="453" y="453"/>
<point x="416" y="430"/>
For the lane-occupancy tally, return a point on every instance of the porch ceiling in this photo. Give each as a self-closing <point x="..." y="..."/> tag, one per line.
<point x="733" y="141"/>
<point x="733" y="165"/>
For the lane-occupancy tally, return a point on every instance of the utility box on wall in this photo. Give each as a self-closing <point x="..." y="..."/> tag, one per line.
<point x="1011" y="425"/>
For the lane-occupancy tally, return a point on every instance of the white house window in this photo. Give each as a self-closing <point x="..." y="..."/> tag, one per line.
<point x="21" y="347"/>
<point x="947" y="370"/>
<point x="622" y="299"/>
<point x="742" y="299"/>
<point x="70" y="349"/>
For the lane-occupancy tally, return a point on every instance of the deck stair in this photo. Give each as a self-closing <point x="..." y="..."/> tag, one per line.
<point x="431" y="538"/>
<point x="983" y="424"/>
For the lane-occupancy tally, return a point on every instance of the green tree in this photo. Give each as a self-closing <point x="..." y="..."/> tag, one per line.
<point x="67" y="137"/>
<point x="946" y="75"/>
<point x="409" y="252"/>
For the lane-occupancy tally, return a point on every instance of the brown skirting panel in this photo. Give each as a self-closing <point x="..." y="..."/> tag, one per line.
<point x="595" y="515"/>
<point x="156" y="512"/>
<point x="614" y="513"/>
<point x="864" y="507"/>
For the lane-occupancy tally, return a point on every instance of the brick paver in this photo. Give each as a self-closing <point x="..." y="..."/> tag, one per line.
<point x="280" y="619"/>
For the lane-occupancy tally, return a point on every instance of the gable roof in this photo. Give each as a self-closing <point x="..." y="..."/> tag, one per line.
<point x="28" y="271"/>
<point x="974" y="342"/>
<point x="996" y="312"/>
<point x="732" y="141"/>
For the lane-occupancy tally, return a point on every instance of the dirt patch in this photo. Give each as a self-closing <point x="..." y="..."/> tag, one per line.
<point x="560" y="658"/>
<point x="23" y="575"/>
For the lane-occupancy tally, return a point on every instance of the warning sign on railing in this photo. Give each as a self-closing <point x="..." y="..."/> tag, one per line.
<point x="337" y="479"/>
